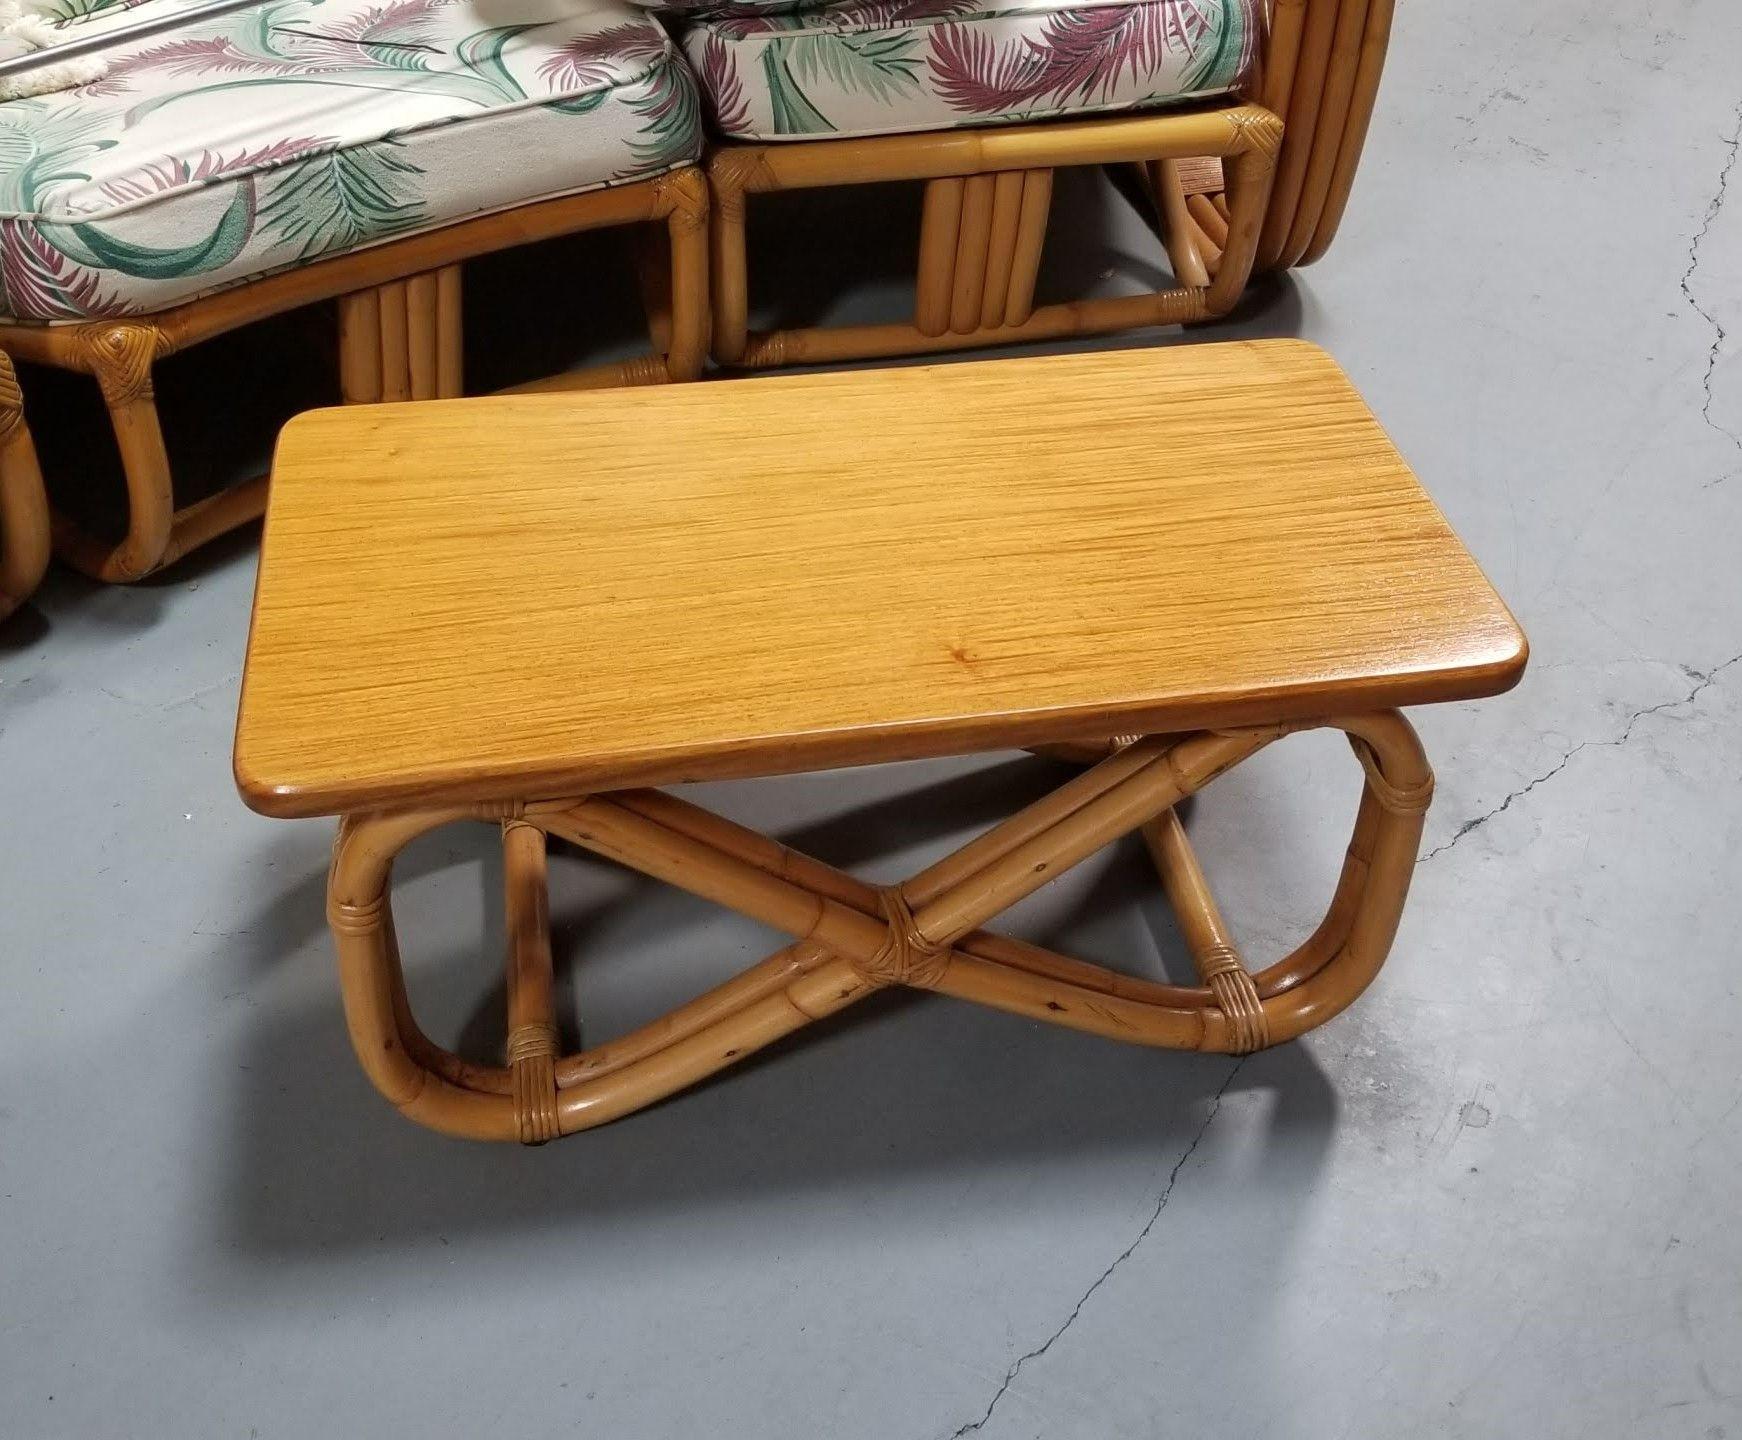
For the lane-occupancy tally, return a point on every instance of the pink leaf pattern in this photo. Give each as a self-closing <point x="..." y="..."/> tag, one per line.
<point x="1081" y="56"/>
<point x="37" y="280"/>
<point x="344" y="41"/>
<point x="171" y="173"/>
<point x="720" y="83"/>
<point x="595" y="59"/>
<point x="876" y="14"/>
<point x="866" y="15"/>
<point x="201" y="55"/>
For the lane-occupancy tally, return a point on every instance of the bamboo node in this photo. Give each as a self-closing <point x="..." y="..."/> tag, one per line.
<point x="905" y="957"/>
<point x="1396" y="799"/>
<point x="532" y="1063"/>
<point x="531" y="1041"/>
<point x="348" y="917"/>
<point x="1237" y="998"/>
<point x="1218" y="960"/>
<point x="644" y="370"/>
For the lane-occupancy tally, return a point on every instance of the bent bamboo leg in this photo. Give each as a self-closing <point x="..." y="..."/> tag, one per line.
<point x="1360" y="115"/>
<point x="24" y="523"/>
<point x="1206" y="933"/>
<point x="1339" y="87"/>
<point x="1178" y="232"/>
<point x="731" y="172"/>
<point x="939" y="229"/>
<point x="532" y="1034"/>
<point x="120" y="358"/>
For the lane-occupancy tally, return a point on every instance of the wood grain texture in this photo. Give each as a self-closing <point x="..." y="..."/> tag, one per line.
<point x="541" y="596"/>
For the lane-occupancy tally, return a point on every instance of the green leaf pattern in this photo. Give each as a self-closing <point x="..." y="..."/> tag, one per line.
<point x="299" y="129"/>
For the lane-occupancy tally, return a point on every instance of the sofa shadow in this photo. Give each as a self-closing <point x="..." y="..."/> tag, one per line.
<point x="529" y="312"/>
<point x="848" y="254"/>
<point x="24" y="629"/>
<point x="903" y="1088"/>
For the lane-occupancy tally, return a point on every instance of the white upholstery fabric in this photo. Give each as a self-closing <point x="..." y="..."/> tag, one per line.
<point x="294" y="130"/>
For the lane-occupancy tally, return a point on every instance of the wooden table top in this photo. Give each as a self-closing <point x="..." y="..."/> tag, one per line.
<point x="535" y="596"/>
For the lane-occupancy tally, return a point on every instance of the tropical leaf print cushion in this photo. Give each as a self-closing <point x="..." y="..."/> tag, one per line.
<point x="298" y="129"/>
<point x="882" y="67"/>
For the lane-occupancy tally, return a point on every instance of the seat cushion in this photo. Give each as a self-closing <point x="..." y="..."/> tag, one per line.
<point x="283" y="134"/>
<point x="885" y="67"/>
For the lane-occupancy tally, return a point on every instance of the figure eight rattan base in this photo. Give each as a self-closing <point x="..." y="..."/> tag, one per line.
<point x="851" y="939"/>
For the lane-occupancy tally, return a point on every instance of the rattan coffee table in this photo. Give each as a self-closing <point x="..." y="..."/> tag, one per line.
<point x="533" y="610"/>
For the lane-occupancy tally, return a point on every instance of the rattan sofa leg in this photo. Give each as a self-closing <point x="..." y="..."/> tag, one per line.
<point x="980" y="242"/>
<point x="686" y="201"/>
<point x="402" y="340"/>
<point x="1321" y="68"/>
<point x="120" y="356"/>
<point x="24" y="521"/>
<point x="120" y="359"/>
<point x="532" y="1035"/>
<point x="940" y="226"/>
<point x="853" y="938"/>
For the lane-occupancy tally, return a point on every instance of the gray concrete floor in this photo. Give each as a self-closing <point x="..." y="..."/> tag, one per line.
<point x="1498" y="1197"/>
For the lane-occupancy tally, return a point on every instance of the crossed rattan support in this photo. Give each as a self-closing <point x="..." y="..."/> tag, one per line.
<point x="987" y="200"/>
<point x="851" y="939"/>
<point x="399" y="339"/>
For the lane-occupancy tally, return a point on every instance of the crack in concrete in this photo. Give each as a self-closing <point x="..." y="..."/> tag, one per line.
<point x="1705" y="680"/>
<point x="1719" y="334"/>
<point x="973" y="1426"/>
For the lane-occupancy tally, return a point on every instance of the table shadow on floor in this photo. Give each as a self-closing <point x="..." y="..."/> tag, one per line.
<point x="899" y="1089"/>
